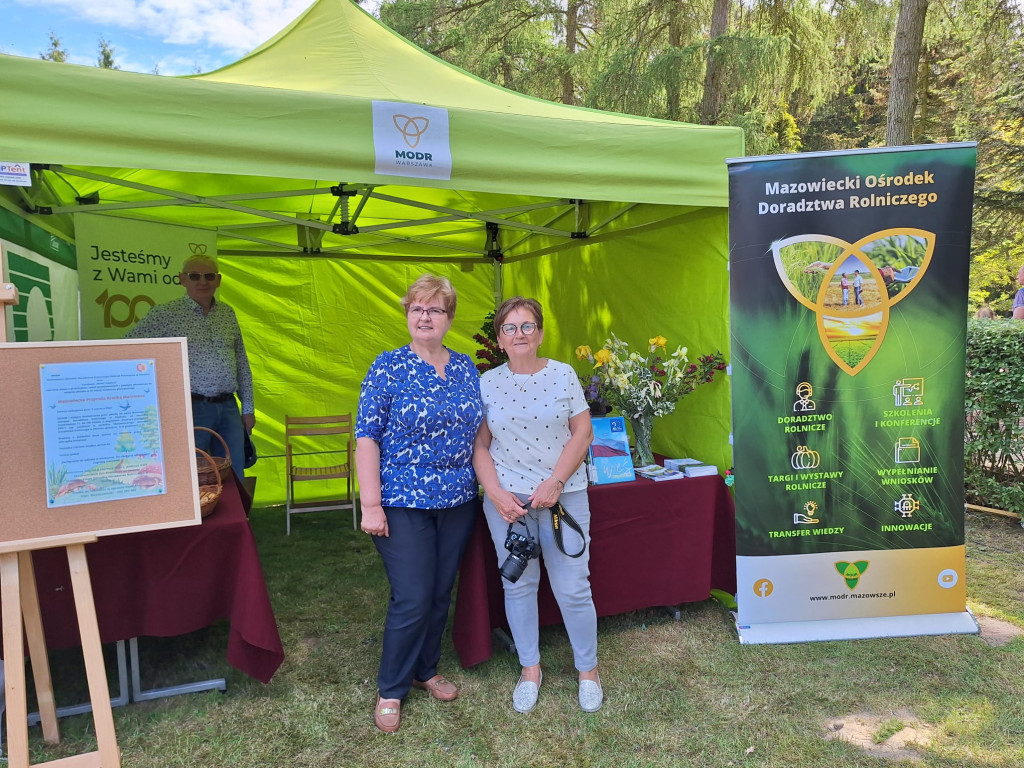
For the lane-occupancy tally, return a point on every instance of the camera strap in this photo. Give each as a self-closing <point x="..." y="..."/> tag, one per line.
<point x="560" y="517"/>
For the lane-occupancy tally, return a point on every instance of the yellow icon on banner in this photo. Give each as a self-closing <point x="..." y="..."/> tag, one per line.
<point x="908" y="450"/>
<point x="851" y="286"/>
<point x="763" y="587"/>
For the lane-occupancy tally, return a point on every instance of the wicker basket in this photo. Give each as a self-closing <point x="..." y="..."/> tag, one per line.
<point x="209" y="495"/>
<point x="221" y="465"/>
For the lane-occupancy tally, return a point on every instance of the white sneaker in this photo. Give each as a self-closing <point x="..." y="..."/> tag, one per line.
<point x="591" y="695"/>
<point x="524" y="697"/>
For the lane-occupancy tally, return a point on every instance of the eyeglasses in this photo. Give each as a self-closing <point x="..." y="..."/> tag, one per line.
<point x="432" y="312"/>
<point x="509" y="329"/>
<point x="195" y="277"/>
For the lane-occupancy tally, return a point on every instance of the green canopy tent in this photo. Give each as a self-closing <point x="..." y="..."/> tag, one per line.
<point x="615" y="223"/>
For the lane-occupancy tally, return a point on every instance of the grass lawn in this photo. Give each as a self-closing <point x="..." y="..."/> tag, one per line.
<point x="678" y="693"/>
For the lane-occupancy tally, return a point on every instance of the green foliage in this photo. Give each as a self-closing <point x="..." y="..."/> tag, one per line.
<point x="490" y="354"/>
<point x="56" y="51"/>
<point x="994" y="406"/>
<point x="105" y="59"/>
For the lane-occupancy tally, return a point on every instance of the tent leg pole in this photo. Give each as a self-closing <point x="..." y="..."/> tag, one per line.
<point x="499" y="285"/>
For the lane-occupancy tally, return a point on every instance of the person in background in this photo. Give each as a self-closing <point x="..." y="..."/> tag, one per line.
<point x="217" y="362"/>
<point x="844" y="284"/>
<point x="985" y="313"/>
<point x="1018" y="299"/>
<point x="529" y="456"/>
<point x="419" y="410"/>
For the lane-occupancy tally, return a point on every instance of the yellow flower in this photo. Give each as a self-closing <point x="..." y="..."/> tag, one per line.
<point x="657" y="341"/>
<point x="602" y="356"/>
<point x="584" y="352"/>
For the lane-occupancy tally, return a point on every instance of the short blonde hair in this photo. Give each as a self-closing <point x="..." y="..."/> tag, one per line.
<point x="200" y="259"/>
<point x="429" y="287"/>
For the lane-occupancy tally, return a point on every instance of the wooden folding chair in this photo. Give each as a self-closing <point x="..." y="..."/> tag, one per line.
<point x="308" y="439"/>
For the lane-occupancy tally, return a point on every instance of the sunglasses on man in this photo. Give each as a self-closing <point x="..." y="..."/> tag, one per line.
<point x="195" y="277"/>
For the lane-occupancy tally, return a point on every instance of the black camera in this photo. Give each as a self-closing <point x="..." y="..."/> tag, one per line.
<point x="521" y="549"/>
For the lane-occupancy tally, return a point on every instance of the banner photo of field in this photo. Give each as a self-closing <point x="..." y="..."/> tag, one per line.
<point x="848" y="301"/>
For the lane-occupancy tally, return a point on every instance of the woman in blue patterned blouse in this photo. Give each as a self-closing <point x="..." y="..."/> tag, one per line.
<point x="419" y="410"/>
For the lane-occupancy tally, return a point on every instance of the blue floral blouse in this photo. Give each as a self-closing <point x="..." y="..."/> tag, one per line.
<point x="424" y="425"/>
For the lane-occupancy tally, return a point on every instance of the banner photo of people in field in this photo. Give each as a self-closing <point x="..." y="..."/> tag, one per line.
<point x="848" y="285"/>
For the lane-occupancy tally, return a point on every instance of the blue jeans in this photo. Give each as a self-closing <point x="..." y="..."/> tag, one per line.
<point x="224" y="419"/>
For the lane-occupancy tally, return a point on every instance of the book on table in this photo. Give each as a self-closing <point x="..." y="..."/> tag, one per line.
<point x="681" y="464"/>
<point x="609" y="457"/>
<point x="700" y="470"/>
<point x="658" y="473"/>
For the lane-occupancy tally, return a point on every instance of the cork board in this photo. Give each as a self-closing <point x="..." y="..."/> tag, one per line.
<point x="24" y="514"/>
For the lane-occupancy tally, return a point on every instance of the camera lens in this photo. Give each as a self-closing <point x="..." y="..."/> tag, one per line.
<point x="513" y="568"/>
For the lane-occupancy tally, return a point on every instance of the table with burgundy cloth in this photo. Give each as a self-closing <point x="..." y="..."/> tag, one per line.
<point x="652" y="544"/>
<point x="171" y="582"/>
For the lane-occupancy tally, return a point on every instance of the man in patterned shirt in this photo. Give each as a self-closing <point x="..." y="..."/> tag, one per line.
<point x="218" y="364"/>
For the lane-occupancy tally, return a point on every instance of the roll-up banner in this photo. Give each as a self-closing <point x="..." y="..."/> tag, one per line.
<point x="848" y="275"/>
<point x="125" y="267"/>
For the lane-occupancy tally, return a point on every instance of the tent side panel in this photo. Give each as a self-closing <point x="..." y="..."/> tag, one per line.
<point x="671" y="282"/>
<point x="312" y="327"/>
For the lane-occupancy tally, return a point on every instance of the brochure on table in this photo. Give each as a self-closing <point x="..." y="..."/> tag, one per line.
<point x="610" y="461"/>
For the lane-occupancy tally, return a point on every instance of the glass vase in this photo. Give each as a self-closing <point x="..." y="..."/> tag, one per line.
<point x="643" y="425"/>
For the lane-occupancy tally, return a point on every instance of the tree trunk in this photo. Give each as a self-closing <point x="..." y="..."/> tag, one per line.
<point x="906" y="55"/>
<point x="572" y="12"/>
<point x="711" y="104"/>
<point x="675" y="37"/>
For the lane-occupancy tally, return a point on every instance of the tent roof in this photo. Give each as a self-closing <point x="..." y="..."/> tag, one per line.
<point x="249" y="147"/>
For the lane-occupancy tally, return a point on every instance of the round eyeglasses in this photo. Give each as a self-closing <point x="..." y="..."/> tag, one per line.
<point x="432" y="312"/>
<point x="509" y="329"/>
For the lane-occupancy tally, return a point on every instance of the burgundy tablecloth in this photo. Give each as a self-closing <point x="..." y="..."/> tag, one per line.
<point x="652" y="544"/>
<point x="171" y="582"/>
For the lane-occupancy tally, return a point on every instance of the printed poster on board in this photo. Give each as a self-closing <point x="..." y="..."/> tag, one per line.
<point x="848" y="276"/>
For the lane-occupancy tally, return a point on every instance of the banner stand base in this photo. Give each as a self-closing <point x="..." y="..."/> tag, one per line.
<point x="857" y="629"/>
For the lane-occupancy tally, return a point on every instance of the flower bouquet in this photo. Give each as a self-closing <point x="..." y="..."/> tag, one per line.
<point x="644" y="386"/>
<point x="490" y="354"/>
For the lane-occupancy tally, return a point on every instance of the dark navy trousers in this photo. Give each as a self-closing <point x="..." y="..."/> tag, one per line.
<point x="421" y="557"/>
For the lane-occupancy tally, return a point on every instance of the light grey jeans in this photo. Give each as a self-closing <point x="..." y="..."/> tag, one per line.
<point x="569" y="578"/>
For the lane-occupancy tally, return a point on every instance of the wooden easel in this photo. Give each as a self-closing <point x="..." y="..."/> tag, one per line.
<point x="20" y="599"/>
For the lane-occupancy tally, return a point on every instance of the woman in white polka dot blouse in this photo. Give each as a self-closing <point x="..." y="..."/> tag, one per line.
<point x="529" y="455"/>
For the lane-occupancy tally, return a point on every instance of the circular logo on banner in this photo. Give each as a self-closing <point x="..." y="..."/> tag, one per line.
<point x="948" y="578"/>
<point x="763" y="587"/>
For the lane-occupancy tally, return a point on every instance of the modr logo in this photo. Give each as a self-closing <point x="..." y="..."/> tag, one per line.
<point x="401" y="153"/>
<point x="412" y="129"/>
<point x="851" y="572"/>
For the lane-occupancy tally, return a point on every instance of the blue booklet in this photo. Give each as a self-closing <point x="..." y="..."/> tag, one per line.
<point x="610" y="461"/>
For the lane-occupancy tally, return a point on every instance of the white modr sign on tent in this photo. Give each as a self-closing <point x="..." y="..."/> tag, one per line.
<point x="411" y="140"/>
